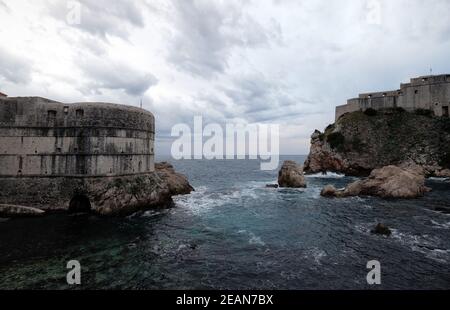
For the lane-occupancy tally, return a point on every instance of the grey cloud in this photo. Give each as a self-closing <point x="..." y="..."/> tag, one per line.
<point x="13" y="68"/>
<point x="102" y="18"/>
<point x="105" y="74"/>
<point x="259" y="99"/>
<point x="4" y="6"/>
<point x="207" y="31"/>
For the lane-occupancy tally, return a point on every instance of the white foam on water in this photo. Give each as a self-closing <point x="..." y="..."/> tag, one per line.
<point x="440" y="225"/>
<point x="328" y="175"/>
<point x="253" y="239"/>
<point x="425" y="244"/>
<point x="316" y="254"/>
<point x="439" y="179"/>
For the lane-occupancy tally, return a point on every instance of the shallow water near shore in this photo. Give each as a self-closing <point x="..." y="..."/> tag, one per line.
<point x="234" y="233"/>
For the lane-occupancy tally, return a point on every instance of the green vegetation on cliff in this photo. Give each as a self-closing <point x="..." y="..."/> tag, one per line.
<point x="359" y="142"/>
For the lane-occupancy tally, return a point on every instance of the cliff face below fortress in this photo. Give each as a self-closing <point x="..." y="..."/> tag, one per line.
<point x="360" y="142"/>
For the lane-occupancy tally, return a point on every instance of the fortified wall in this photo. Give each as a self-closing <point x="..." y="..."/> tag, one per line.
<point x="430" y="92"/>
<point x="65" y="156"/>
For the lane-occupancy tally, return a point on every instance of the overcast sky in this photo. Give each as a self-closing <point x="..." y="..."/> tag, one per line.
<point x="287" y="62"/>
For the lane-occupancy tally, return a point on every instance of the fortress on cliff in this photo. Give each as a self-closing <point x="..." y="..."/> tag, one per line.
<point x="66" y="156"/>
<point x="430" y="92"/>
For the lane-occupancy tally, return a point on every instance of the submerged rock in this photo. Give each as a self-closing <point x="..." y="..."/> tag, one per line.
<point x="291" y="175"/>
<point x="328" y="191"/>
<point x="19" y="211"/>
<point x="272" y="186"/>
<point x="381" y="229"/>
<point x="389" y="182"/>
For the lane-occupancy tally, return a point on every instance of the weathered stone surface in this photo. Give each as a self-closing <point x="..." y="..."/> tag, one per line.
<point x="291" y="175"/>
<point x="106" y="195"/>
<point x="389" y="182"/>
<point x="328" y="191"/>
<point x="81" y="156"/>
<point x="19" y="211"/>
<point x="358" y="143"/>
<point x="178" y="184"/>
<point x="381" y="229"/>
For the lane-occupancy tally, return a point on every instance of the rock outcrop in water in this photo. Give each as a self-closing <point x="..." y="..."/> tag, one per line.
<point x="19" y="211"/>
<point x="360" y="142"/>
<point x="381" y="229"/>
<point x="387" y="182"/>
<point x="291" y="175"/>
<point x="107" y="196"/>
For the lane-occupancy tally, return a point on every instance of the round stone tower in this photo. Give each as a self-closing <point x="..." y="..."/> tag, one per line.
<point x="51" y="152"/>
<point x="46" y="138"/>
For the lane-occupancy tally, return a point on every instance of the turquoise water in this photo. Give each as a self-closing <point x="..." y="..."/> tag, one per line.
<point x="233" y="233"/>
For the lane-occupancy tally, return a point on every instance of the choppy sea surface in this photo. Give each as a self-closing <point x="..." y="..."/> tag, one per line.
<point x="234" y="233"/>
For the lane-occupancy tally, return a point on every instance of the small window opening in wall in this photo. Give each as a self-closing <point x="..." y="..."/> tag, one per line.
<point x="51" y="114"/>
<point x="80" y="112"/>
<point x="66" y="110"/>
<point x="58" y="150"/>
<point x="445" y="111"/>
<point x="20" y="164"/>
<point x="416" y="91"/>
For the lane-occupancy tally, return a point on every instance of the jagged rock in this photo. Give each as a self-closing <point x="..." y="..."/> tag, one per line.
<point x="358" y="143"/>
<point x="444" y="173"/>
<point x="19" y="211"/>
<point x="381" y="229"/>
<point x="328" y="191"/>
<point x="127" y="195"/>
<point x="291" y="175"/>
<point x="390" y="182"/>
<point x="178" y="183"/>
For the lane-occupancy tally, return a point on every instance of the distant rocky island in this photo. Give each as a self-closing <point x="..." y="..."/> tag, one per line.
<point x="78" y="157"/>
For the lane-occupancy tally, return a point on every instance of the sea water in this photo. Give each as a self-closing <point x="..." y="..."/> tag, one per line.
<point x="234" y="233"/>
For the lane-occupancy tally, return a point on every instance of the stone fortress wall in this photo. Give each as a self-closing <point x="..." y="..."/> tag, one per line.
<point x="40" y="137"/>
<point x="430" y="92"/>
<point x="54" y="155"/>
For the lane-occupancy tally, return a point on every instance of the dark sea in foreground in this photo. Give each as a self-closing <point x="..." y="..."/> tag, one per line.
<point x="233" y="233"/>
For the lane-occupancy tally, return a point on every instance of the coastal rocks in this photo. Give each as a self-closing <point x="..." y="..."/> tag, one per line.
<point x="114" y="195"/>
<point x="381" y="229"/>
<point x="388" y="182"/>
<point x="291" y="175"/>
<point x="127" y="195"/>
<point x="328" y="191"/>
<point x="358" y="143"/>
<point x="321" y="156"/>
<point x="19" y="211"/>
<point x="178" y="184"/>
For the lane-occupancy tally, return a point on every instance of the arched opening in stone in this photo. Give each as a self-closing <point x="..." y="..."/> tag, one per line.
<point x="79" y="203"/>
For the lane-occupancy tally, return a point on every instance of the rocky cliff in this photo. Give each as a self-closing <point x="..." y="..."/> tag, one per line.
<point x="105" y="196"/>
<point x="360" y="142"/>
